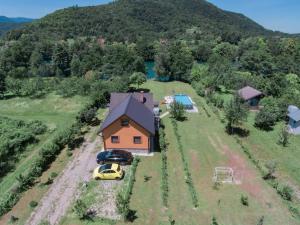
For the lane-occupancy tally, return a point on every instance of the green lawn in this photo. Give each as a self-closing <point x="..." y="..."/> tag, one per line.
<point x="264" y="146"/>
<point x="54" y="111"/>
<point x="206" y="146"/>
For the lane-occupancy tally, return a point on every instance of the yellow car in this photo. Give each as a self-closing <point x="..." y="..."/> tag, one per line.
<point x="108" y="172"/>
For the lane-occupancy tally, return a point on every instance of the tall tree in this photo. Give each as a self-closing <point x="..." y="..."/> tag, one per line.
<point x="235" y="112"/>
<point x="138" y="78"/>
<point x="163" y="62"/>
<point x="181" y="61"/>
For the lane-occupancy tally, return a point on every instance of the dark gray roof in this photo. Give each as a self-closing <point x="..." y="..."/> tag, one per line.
<point x="117" y="98"/>
<point x="248" y="92"/>
<point x="135" y="110"/>
<point x="295" y="115"/>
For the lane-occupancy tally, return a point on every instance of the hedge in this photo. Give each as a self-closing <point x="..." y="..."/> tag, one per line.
<point x="123" y="197"/>
<point x="188" y="176"/>
<point x="164" y="166"/>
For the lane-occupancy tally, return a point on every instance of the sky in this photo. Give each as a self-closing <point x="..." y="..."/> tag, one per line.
<point x="282" y="15"/>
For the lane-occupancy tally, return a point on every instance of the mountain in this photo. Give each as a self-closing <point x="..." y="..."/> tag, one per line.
<point x="7" y="24"/>
<point x="129" y="19"/>
<point x="4" y="19"/>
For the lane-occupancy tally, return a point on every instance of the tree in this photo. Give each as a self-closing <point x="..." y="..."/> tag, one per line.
<point x="76" y="67"/>
<point x="181" y="61"/>
<point x="61" y="59"/>
<point x="235" y="113"/>
<point x="162" y="62"/>
<point x="177" y="110"/>
<point x="266" y="118"/>
<point x="138" y="78"/>
<point x="283" y="136"/>
<point x="220" y="71"/>
<point x="2" y="84"/>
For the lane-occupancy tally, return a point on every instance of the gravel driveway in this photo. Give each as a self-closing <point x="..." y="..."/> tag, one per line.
<point x="63" y="191"/>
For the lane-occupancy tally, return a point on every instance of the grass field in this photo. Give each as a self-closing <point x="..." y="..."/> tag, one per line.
<point x="206" y="146"/>
<point x="264" y="146"/>
<point x="54" y="111"/>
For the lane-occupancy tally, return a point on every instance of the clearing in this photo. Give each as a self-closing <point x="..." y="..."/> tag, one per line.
<point x="206" y="146"/>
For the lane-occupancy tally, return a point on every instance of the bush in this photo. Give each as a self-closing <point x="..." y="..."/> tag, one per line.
<point x="286" y="192"/>
<point x="244" y="200"/>
<point x="283" y="137"/>
<point x="164" y="167"/>
<point x="265" y="119"/>
<point x="33" y="204"/>
<point x="214" y="221"/>
<point x="188" y="177"/>
<point x="123" y="197"/>
<point x="80" y="209"/>
<point x="177" y="110"/>
<point x="270" y="170"/>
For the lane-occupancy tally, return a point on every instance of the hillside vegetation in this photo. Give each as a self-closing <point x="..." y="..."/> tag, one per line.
<point x="130" y="19"/>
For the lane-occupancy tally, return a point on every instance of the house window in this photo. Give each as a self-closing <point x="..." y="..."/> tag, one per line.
<point x="115" y="139"/>
<point x="137" y="140"/>
<point x="124" y="122"/>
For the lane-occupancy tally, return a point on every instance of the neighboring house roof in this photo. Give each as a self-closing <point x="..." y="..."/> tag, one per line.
<point x="135" y="110"/>
<point x="248" y="92"/>
<point x="295" y="115"/>
<point x="117" y="98"/>
<point x="292" y="109"/>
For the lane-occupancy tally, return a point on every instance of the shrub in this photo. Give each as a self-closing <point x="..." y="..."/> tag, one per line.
<point x="80" y="209"/>
<point x="283" y="137"/>
<point x="270" y="170"/>
<point x="286" y="192"/>
<point x="214" y="221"/>
<point x="33" y="204"/>
<point x="177" y="111"/>
<point x="123" y="197"/>
<point x="188" y="177"/>
<point x="13" y="219"/>
<point x="244" y="200"/>
<point x="266" y="118"/>
<point x="261" y="220"/>
<point x="53" y="175"/>
<point x="164" y="168"/>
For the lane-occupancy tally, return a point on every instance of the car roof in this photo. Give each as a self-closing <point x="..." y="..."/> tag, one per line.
<point x="109" y="166"/>
<point x="105" y="167"/>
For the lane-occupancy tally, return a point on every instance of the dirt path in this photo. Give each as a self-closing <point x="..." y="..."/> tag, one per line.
<point x="63" y="191"/>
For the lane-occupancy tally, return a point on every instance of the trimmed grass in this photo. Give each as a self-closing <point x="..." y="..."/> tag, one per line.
<point x="206" y="146"/>
<point x="264" y="146"/>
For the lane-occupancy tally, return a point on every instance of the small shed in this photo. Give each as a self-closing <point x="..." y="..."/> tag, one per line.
<point x="294" y="122"/>
<point x="250" y="95"/>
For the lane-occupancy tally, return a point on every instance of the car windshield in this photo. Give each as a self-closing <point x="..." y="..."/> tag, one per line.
<point x="105" y="167"/>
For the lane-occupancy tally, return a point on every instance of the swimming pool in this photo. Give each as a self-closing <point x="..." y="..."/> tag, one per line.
<point x="184" y="100"/>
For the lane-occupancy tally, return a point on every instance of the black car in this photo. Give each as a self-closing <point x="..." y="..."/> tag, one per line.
<point x="115" y="156"/>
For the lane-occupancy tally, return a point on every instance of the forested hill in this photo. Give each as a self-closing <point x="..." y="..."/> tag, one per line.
<point x="129" y="19"/>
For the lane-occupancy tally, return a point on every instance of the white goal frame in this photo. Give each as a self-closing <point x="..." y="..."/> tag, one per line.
<point x="223" y="175"/>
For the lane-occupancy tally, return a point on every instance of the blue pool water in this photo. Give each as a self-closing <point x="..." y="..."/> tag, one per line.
<point x="150" y="69"/>
<point x="185" y="100"/>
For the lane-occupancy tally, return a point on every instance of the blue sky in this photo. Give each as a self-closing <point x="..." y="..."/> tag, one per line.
<point x="280" y="15"/>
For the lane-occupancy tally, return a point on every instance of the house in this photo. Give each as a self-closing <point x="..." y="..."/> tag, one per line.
<point x="131" y="123"/>
<point x="294" y="122"/>
<point x="250" y="95"/>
